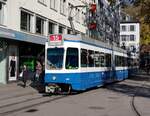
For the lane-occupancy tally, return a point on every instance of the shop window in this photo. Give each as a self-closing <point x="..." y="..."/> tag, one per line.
<point x="25" y="21"/>
<point x="72" y="60"/>
<point x="39" y="25"/>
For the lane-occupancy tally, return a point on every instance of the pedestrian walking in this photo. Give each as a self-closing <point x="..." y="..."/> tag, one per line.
<point x="38" y="73"/>
<point x="25" y="75"/>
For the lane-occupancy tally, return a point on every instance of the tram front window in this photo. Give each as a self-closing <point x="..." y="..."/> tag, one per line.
<point x="72" y="61"/>
<point x="55" y="58"/>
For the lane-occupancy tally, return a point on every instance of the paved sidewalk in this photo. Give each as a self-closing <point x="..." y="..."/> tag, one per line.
<point x="15" y="89"/>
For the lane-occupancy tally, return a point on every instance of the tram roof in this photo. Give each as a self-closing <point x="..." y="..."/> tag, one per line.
<point x="88" y="40"/>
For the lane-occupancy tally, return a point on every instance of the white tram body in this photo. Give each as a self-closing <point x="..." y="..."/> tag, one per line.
<point x="83" y="63"/>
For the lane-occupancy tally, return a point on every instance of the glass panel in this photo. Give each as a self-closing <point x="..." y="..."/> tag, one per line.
<point x="90" y="58"/>
<point x="108" y="60"/>
<point x="97" y="59"/>
<point x="55" y="58"/>
<point x="51" y="28"/>
<point x="39" y="25"/>
<point x="72" y="58"/>
<point x="25" y="21"/>
<point x="102" y="59"/>
<point x="83" y="58"/>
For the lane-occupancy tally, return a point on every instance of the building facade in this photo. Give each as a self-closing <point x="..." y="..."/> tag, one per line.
<point x="25" y="26"/>
<point x="130" y="36"/>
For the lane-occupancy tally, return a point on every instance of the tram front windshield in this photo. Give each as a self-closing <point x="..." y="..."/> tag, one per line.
<point x="55" y="58"/>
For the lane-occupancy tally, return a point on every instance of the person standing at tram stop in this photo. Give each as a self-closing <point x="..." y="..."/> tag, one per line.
<point x="25" y="75"/>
<point x="38" y="71"/>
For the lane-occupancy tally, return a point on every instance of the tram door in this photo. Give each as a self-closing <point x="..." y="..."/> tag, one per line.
<point x="12" y="76"/>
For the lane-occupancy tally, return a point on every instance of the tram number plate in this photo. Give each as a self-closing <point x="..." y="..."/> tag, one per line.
<point x="49" y="89"/>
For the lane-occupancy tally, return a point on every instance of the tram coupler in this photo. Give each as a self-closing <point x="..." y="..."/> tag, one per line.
<point x="52" y="88"/>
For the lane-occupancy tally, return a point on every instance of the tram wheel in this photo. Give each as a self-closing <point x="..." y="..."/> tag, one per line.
<point x="69" y="89"/>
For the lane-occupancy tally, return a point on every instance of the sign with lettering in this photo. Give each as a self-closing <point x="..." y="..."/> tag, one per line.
<point x="55" y="40"/>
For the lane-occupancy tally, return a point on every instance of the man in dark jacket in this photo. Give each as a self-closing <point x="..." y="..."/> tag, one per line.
<point x="25" y="75"/>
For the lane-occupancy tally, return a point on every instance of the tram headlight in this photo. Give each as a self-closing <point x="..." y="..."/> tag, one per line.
<point x="67" y="79"/>
<point x="53" y="78"/>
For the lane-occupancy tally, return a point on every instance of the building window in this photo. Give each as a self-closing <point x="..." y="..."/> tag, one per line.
<point x="123" y="37"/>
<point x="132" y="28"/>
<point x="83" y="18"/>
<point x="123" y="28"/>
<point x="77" y="17"/>
<point x="63" y="7"/>
<point x="61" y="29"/>
<point x="42" y="2"/>
<point x="51" y="28"/>
<point x="25" y="21"/>
<point x="69" y="31"/>
<point x="39" y="25"/>
<point x="1" y="13"/>
<point x="132" y="37"/>
<point x="53" y="4"/>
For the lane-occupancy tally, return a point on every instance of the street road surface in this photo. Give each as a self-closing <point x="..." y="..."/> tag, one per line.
<point x="111" y="100"/>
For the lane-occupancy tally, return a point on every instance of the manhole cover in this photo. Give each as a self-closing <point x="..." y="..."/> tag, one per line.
<point x="32" y="110"/>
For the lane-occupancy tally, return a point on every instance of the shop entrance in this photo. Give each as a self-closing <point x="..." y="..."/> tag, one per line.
<point x="13" y="62"/>
<point x="28" y="55"/>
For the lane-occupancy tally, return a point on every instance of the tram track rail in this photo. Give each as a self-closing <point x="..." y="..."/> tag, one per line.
<point x="19" y="95"/>
<point x="133" y="105"/>
<point x="38" y="101"/>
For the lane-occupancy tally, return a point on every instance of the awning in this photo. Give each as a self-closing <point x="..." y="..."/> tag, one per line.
<point x="20" y="36"/>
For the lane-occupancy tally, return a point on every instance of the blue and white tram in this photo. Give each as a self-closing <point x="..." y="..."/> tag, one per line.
<point x="80" y="63"/>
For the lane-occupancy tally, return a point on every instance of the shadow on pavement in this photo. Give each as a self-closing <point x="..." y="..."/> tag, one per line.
<point x="125" y="87"/>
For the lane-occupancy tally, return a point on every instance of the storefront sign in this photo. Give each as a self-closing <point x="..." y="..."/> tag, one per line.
<point x="7" y="34"/>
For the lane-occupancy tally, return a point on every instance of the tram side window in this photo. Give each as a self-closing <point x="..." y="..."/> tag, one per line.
<point x="118" y="60"/>
<point x="102" y="59"/>
<point x="97" y="59"/>
<point x="108" y="60"/>
<point x="124" y="61"/>
<point x="72" y="60"/>
<point x="90" y="58"/>
<point x="83" y="58"/>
